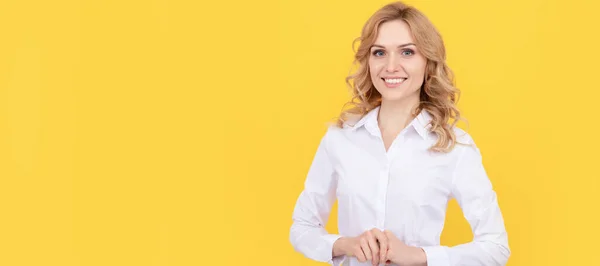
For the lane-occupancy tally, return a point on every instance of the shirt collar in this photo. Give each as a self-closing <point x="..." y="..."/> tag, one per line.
<point x="421" y="123"/>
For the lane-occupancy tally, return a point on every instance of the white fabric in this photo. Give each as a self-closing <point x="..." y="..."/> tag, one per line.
<point x="405" y="190"/>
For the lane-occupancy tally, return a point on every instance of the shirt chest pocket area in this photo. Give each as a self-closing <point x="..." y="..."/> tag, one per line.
<point x="358" y="182"/>
<point x="423" y="185"/>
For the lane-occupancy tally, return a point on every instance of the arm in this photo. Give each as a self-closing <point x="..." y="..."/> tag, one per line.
<point x="477" y="199"/>
<point x="307" y="234"/>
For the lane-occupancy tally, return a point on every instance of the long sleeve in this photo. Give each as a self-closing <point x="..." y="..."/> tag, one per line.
<point x="477" y="199"/>
<point x="311" y="212"/>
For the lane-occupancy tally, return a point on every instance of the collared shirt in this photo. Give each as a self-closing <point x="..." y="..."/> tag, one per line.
<point x="404" y="190"/>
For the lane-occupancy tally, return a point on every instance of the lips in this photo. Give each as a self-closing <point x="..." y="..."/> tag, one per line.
<point x="392" y="82"/>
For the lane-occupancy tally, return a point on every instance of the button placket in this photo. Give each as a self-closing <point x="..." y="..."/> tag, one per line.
<point x="381" y="196"/>
<point x="384" y="178"/>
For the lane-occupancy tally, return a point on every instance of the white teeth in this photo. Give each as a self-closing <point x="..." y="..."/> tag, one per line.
<point x="394" y="81"/>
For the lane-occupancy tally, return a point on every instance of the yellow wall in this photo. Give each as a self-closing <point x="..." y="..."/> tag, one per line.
<point x="177" y="133"/>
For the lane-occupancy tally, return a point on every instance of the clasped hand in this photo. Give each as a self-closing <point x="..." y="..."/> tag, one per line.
<point x="379" y="247"/>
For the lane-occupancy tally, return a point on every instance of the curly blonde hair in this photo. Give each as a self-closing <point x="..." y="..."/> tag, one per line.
<point x="438" y="95"/>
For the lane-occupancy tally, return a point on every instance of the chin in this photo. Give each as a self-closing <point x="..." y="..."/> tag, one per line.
<point x="397" y="94"/>
<point x="393" y="96"/>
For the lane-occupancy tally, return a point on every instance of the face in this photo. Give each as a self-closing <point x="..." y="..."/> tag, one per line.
<point x="396" y="66"/>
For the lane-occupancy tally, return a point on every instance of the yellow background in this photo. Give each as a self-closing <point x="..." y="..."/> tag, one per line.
<point x="179" y="132"/>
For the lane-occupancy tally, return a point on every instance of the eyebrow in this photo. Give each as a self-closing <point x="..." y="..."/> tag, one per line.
<point x="399" y="46"/>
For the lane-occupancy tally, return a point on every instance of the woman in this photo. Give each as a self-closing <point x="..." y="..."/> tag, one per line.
<point x="395" y="159"/>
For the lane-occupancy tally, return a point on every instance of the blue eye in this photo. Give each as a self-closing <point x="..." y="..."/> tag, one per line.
<point x="378" y="53"/>
<point x="409" y="51"/>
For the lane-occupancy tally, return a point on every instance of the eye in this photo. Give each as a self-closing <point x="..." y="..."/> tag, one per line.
<point x="408" y="52"/>
<point x="378" y="53"/>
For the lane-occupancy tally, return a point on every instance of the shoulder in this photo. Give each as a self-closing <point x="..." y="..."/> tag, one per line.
<point x="335" y="132"/>
<point x="463" y="136"/>
<point x="465" y="144"/>
<point x="336" y="137"/>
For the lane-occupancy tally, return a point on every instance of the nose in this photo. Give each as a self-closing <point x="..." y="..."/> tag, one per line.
<point x="393" y="64"/>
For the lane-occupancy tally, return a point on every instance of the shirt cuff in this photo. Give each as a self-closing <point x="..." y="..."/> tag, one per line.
<point x="436" y="256"/>
<point x="337" y="261"/>
<point x="330" y="239"/>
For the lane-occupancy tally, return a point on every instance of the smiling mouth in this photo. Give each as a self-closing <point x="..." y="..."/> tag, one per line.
<point x="393" y="80"/>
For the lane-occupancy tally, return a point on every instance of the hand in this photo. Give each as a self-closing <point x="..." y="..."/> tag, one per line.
<point x="402" y="254"/>
<point x="365" y="247"/>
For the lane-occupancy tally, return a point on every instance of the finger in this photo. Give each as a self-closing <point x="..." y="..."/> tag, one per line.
<point x="364" y="244"/>
<point x="387" y="233"/>
<point x="374" y="249"/>
<point x="359" y="254"/>
<point x="389" y="255"/>
<point x="383" y="244"/>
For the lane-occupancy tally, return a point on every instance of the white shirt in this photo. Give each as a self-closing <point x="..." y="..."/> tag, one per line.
<point x="404" y="190"/>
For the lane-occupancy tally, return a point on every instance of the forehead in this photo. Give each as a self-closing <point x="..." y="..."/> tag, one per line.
<point x="393" y="33"/>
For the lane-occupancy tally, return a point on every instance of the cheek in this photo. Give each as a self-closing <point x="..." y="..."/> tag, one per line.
<point x="372" y="72"/>
<point x="417" y="71"/>
<point x="374" y="68"/>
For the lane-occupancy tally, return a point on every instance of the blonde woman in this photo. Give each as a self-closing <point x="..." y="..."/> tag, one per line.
<point x="395" y="159"/>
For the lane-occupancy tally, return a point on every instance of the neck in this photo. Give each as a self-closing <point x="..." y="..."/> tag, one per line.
<point x="395" y="116"/>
